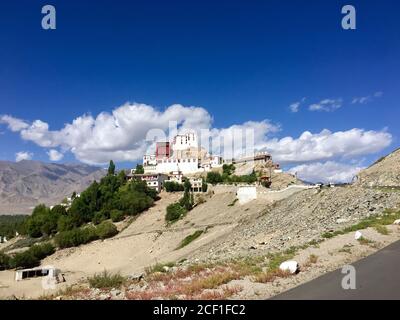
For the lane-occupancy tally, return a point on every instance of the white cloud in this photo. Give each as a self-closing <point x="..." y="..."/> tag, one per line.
<point x="55" y="155"/>
<point x="23" y="155"/>
<point x="294" y="107"/>
<point x="326" y="105"/>
<point x="328" y="145"/>
<point x="367" y="99"/>
<point x="123" y="135"/>
<point x="119" y="135"/>
<point x="13" y="124"/>
<point x="326" y="172"/>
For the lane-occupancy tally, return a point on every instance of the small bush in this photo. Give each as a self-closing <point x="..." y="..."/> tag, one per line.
<point x="106" y="280"/>
<point x="117" y="215"/>
<point x="159" y="267"/>
<point x="174" y="212"/>
<point x="76" y="237"/>
<point x="214" y="178"/>
<point x="106" y="230"/>
<point x="382" y="230"/>
<point x="364" y="241"/>
<point x="312" y="259"/>
<point x="5" y="261"/>
<point x="190" y="238"/>
<point x="200" y="199"/>
<point x="172" y="186"/>
<point x="25" y="259"/>
<point x="100" y="217"/>
<point x="41" y="251"/>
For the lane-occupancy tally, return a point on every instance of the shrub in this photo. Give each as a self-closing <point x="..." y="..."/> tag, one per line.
<point x="5" y="261"/>
<point x="66" y="223"/>
<point x="190" y="238"/>
<point x="106" y="230"/>
<point x="382" y="229"/>
<point x="174" y="212"/>
<point x="139" y="169"/>
<point x="76" y="237"/>
<point x="172" y="186"/>
<point x="100" y="217"/>
<point x="187" y="199"/>
<point x="214" y="177"/>
<point x="116" y="215"/>
<point x="204" y="186"/>
<point x="106" y="280"/>
<point x="9" y="225"/>
<point x="41" y="251"/>
<point x="36" y="221"/>
<point x="228" y="169"/>
<point x="159" y="267"/>
<point x="25" y="259"/>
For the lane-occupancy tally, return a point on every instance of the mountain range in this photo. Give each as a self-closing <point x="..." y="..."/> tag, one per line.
<point x="27" y="183"/>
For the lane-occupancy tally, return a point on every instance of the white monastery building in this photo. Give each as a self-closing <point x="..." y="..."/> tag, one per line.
<point x="182" y="155"/>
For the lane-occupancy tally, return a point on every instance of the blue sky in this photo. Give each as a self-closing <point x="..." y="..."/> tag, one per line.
<point x="237" y="60"/>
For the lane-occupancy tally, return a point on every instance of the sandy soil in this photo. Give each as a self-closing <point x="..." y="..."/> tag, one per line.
<point x="332" y="254"/>
<point x="146" y="241"/>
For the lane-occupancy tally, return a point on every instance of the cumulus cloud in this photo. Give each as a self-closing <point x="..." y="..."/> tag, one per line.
<point x="119" y="135"/>
<point x="366" y="99"/>
<point x="327" y="105"/>
<point x="55" y="155"/>
<point x="326" y="172"/>
<point x="129" y="132"/>
<point x="12" y="123"/>
<point x="23" y="155"/>
<point x="328" y="145"/>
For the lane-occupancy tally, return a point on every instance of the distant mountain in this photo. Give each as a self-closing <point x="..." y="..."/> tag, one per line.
<point x="25" y="184"/>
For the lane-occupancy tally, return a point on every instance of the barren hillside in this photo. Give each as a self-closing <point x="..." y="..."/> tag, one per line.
<point x="229" y="230"/>
<point x="25" y="184"/>
<point x="385" y="172"/>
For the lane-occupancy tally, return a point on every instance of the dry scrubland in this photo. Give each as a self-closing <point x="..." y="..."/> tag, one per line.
<point x="221" y="249"/>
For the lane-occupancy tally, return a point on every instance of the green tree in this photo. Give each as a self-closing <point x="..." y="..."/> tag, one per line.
<point x="106" y="229"/>
<point x="111" y="168"/>
<point x="25" y="259"/>
<point x="228" y="169"/>
<point x="204" y="186"/>
<point x="214" y="178"/>
<point x="38" y="223"/>
<point x="172" y="186"/>
<point x="174" y="212"/>
<point x="187" y="199"/>
<point x="139" y="169"/>
<point x="116" y="215"/>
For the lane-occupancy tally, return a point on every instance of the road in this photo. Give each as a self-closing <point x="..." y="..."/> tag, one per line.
<point x="377" y="277"/>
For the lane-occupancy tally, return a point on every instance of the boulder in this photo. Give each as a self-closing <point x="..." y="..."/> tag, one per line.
<point x="358" y="235"/>
<point x="289" y="266"/>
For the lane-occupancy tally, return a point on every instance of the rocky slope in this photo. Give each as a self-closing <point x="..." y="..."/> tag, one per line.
<point x="306" y="215"/>
<point x="385" y="172"/>
<point x="27" y="183"/>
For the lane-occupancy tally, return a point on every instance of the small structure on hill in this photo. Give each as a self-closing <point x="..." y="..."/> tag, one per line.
<point x="246" y="194"/>
<point x="45" y="271"/>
